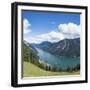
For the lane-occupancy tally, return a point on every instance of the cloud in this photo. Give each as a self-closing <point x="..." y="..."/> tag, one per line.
<point x="70" y="30"/>
<point x="26" y="26"/>
<point x="51" y="37"/>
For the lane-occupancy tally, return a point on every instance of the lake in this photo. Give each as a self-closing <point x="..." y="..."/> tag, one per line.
<point x="56" y="61"/>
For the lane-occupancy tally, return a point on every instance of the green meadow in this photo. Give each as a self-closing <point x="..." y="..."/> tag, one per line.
<point x="31" y="70"/>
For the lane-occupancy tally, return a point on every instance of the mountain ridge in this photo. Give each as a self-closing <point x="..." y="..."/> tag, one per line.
<point x="66" y="47"/>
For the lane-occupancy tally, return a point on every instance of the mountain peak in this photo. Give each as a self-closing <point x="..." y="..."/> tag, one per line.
<point x="66" y="47"/>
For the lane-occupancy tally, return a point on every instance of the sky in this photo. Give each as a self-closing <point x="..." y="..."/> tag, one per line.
<point x="50" y="26"/>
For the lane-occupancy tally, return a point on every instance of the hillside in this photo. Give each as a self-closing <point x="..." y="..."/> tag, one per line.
<point x="31" y="70"/>
<point x="30" y="53"/>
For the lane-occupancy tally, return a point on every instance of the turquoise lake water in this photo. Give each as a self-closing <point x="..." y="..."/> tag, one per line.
<point x="56" y="61"/>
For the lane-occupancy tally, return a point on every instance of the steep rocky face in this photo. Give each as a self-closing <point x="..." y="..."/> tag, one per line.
<point x="67" y="47"/>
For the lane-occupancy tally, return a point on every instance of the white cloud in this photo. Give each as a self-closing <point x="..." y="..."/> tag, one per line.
<point x="70" y="30"/>
<point x="51" y="37"/>
<point x="26" y="26"/>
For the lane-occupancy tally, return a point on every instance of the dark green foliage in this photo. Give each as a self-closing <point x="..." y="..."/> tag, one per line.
<point x="78" y="67"/>
<point x="30" y="54"/>
<point x="68" y="69"/>
<point x="26" y="53"/>
<point x="71" y="69"/>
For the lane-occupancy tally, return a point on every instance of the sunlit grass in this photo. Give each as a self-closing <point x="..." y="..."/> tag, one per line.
<point x="31" y="70"/>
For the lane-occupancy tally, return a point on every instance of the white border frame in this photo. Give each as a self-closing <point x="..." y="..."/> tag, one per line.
<point x="82" y="47"/>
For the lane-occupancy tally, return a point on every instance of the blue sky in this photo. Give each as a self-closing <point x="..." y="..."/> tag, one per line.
<point x="38" y="24"/>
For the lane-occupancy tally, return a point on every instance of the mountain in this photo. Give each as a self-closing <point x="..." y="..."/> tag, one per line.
<point x="30" y="46"/>
<point x="30" y="53"/>
<point x="44" y="45"/>
<point x="66" y="47"/>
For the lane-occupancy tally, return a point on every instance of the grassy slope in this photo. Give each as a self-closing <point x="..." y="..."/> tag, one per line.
<point x="31" y="70"/>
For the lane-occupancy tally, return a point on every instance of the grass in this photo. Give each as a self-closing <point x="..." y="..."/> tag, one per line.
<point x="31" y="70"/>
